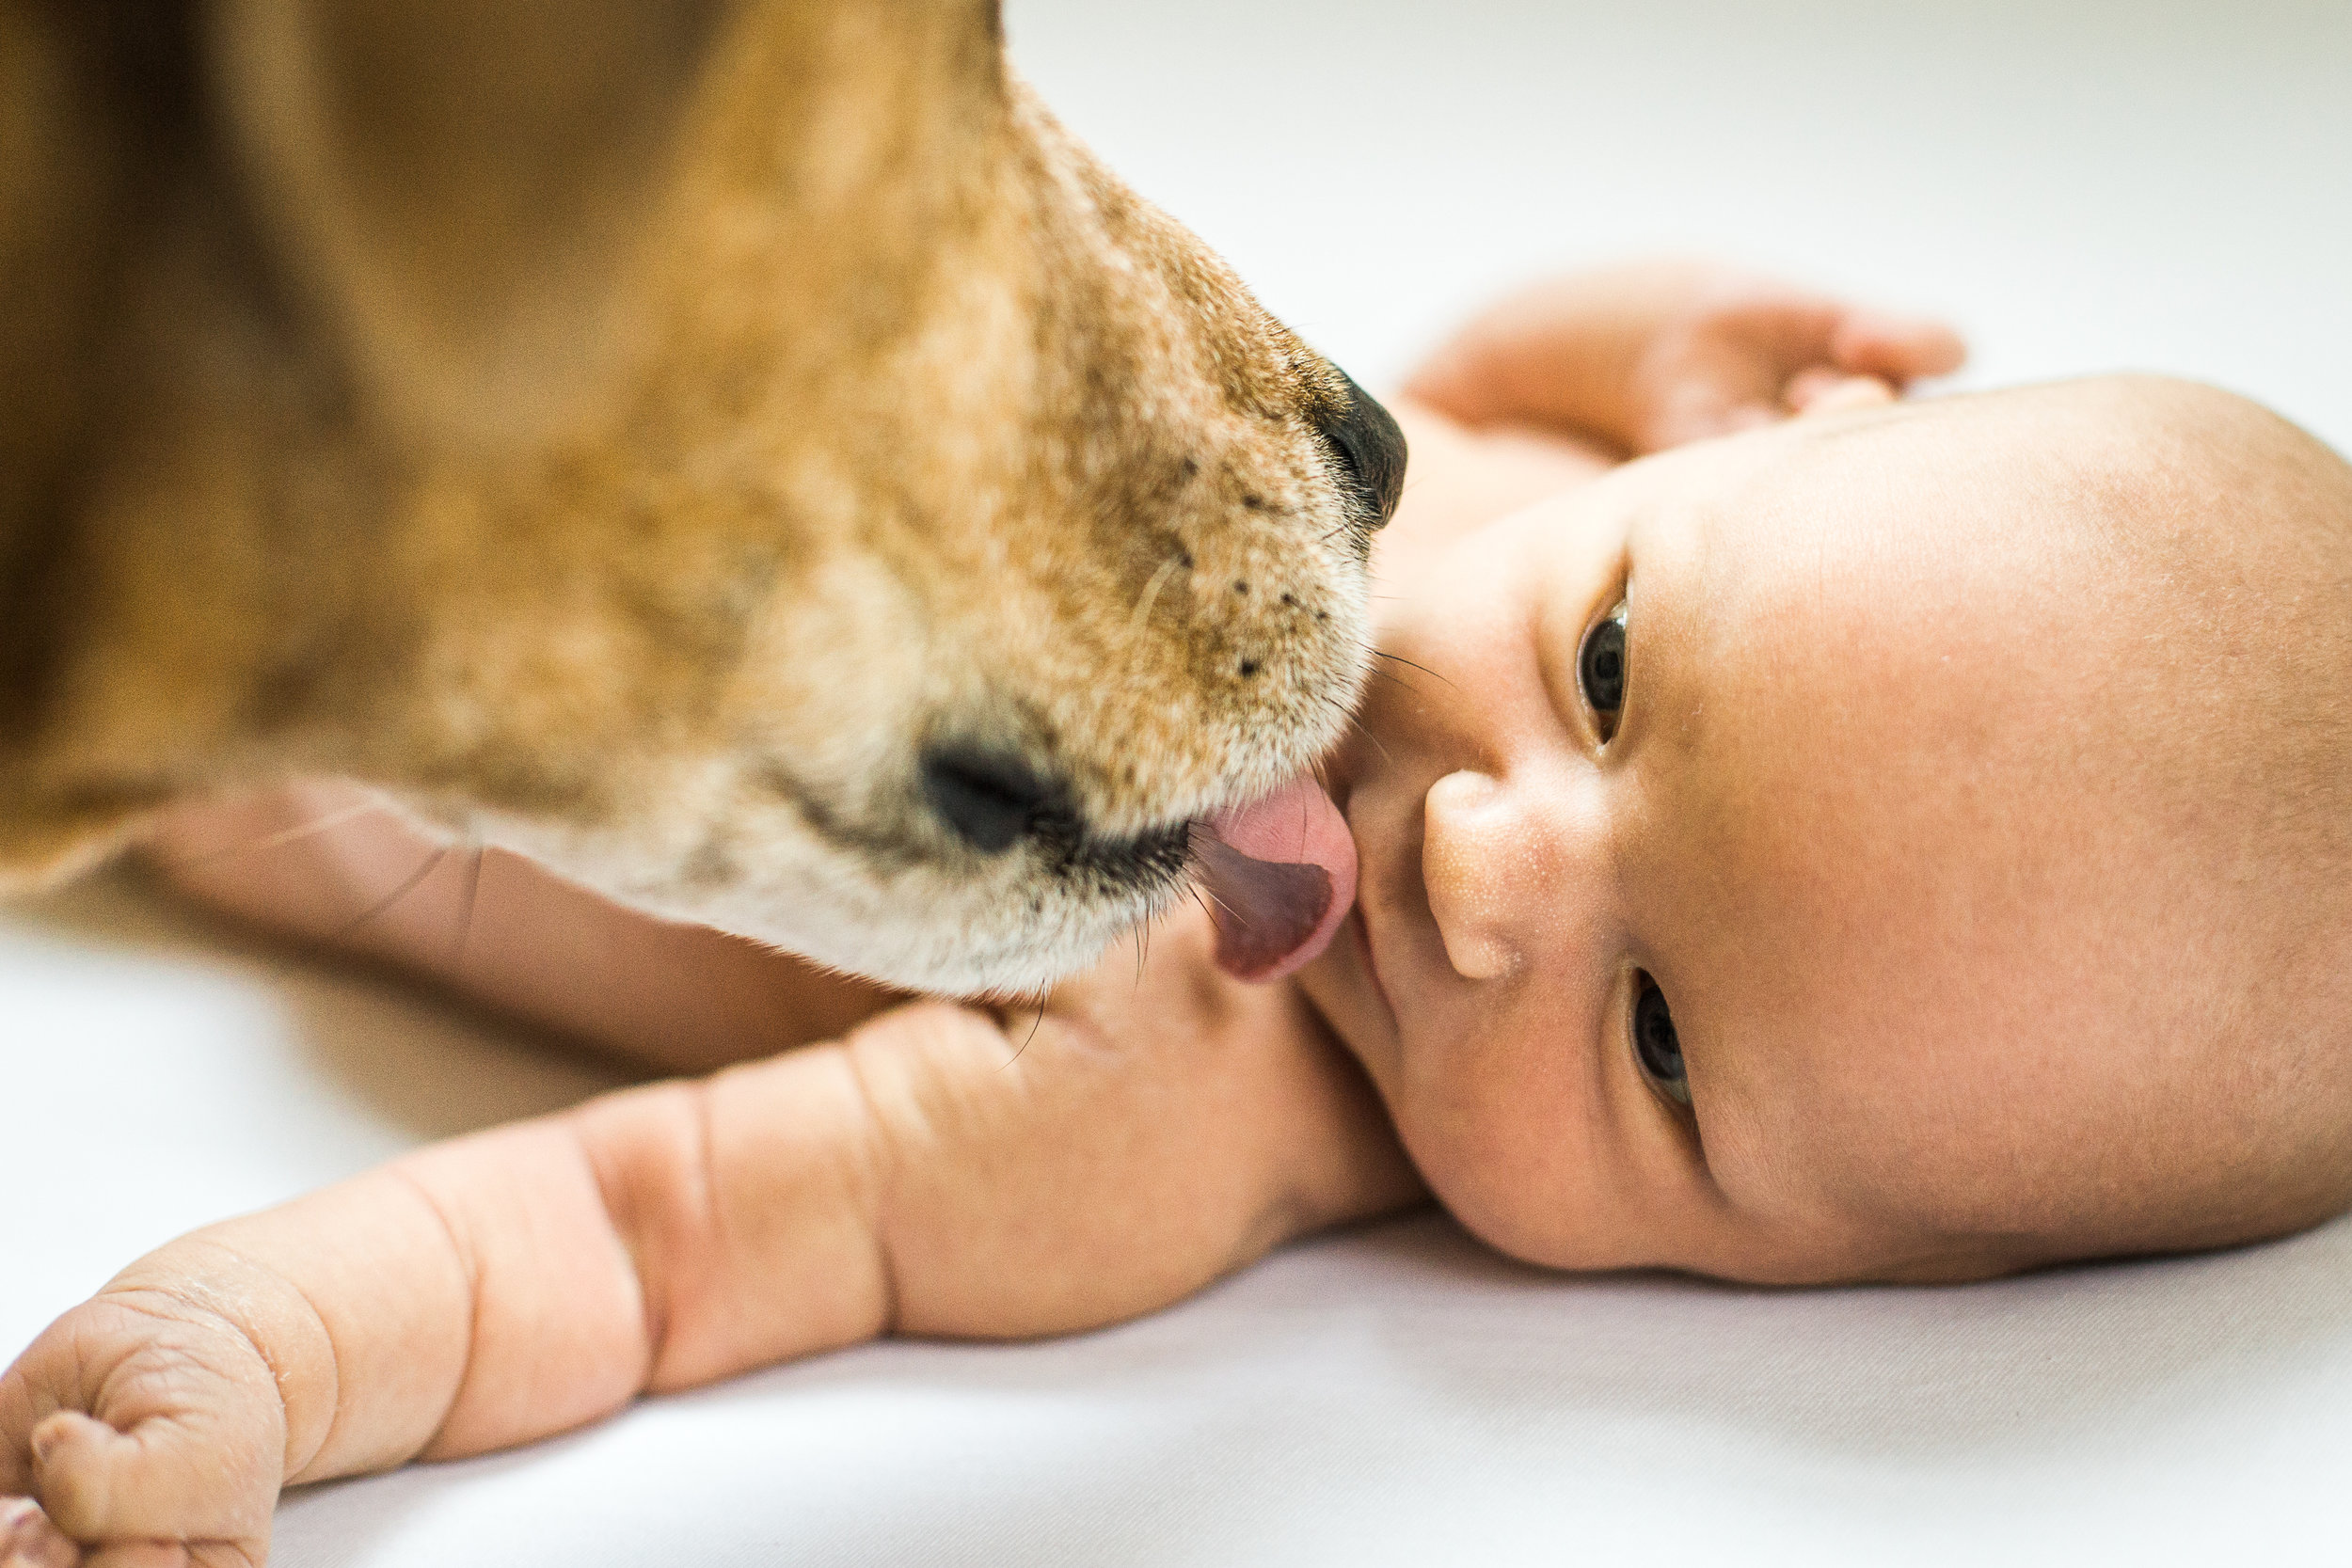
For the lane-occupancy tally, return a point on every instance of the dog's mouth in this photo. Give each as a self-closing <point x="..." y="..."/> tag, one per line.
<point x="1281" y="875"/>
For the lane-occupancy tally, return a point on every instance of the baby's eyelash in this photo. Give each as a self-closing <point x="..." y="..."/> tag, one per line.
<point x="1602" y="670"/>
<point x="1656" y="1046"/>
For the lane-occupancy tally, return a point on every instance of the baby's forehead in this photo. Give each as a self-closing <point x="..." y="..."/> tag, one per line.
<point x="2044" y="555"/>
<point x="1976" y="823"/>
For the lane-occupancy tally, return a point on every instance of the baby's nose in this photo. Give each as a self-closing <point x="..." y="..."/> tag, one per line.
<point x="1493" y="873"/>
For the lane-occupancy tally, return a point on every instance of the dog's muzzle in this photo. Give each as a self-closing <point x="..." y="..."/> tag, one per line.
<point x="994" y="803"/>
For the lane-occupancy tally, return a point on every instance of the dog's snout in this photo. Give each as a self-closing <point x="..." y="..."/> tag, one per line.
<point x="1371" y="450"/>
<point x="991" y="801"/>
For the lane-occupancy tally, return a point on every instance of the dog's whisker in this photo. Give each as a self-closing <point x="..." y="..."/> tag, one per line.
<point x="1356" y="723"/>
<point x="1201" y="897"/>
<point x="385" y="903"/>
<point x="278" y="840"/>
<point x="1035" y="1024"/>
<point x="1151" y="593"/>
<point x="1221" y="904"/>
<point x="1347" y="716"/>
<point x="465" y="907"/>
<point x="1365" y="730"/>
<point x="1399" y="658"/>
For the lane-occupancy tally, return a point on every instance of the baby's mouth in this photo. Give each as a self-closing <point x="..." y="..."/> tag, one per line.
<point x="1281" y="875"/>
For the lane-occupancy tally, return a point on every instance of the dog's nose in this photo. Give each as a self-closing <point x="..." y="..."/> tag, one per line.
<point x="1372" y="448"/>
<point x="992" y="801"/>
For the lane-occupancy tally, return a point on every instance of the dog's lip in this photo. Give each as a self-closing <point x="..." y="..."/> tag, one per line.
<point x="1281" y="875"/>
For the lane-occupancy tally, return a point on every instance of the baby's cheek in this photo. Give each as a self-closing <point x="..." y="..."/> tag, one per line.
<point x="1507" y="1173"/>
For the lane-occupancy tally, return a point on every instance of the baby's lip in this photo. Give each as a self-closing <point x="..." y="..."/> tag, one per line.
<point x="1281" y="875"/>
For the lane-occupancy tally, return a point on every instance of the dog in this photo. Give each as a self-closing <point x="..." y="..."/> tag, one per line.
<point x="741" y="452"/>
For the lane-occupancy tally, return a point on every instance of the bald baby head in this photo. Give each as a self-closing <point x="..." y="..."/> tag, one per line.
<point x="2058" y="886"/>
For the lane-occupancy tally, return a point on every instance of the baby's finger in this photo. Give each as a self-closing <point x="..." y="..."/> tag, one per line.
<point x="1699" y="412"/>
<point x="1819" y="390"/>
<point x="1897" y="349"/>
<point x="29" y="1540"/>
<point x="161" y="1482"/>
<point x="142" y="1554"/>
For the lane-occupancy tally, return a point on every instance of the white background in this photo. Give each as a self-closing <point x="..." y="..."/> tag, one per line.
<point x="2084" y="186"/>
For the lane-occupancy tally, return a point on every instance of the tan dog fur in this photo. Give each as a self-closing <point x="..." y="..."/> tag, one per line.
<point x="631" y="432"/>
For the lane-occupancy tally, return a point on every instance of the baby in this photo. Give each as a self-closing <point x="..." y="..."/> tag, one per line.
<point x="1903" y="841"/>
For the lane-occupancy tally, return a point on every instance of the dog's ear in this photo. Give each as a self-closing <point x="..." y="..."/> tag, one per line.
<point x="457" y="187"/>
<point x="448" y="184"/>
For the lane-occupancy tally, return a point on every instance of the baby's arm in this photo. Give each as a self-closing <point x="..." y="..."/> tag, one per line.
<point x="336" y="865"/>
<point x="1650" y="355"/>
<point x="935" y="1172"/>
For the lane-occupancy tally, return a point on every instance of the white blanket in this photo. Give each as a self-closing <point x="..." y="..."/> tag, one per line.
<point x="2084" y="186"/>
<point x="1397" y="1396"/>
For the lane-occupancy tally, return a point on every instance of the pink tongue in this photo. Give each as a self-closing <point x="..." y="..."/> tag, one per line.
<point x="1281" y="875"/>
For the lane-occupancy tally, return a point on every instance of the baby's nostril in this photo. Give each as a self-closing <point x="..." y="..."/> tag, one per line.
<point x="991" y="801"/>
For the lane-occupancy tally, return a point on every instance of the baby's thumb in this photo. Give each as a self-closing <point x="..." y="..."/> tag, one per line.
<point x="157" y="1482"/>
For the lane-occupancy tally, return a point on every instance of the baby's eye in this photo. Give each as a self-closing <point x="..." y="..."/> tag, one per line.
<point x="1655" y="1043"/>
<point x="1600" y="670"/>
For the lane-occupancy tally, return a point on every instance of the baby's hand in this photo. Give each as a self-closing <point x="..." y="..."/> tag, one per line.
<point x="1747" y="352"/>
<point x="139" y="1432"/>
<point x="1653" y="355"/>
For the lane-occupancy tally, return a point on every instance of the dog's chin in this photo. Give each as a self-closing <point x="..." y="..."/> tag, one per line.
<point x="1012" y="929"/>
<point x="1016" y="959"/>
<point x="930" y="919"/>
<point x="935" y="933"/>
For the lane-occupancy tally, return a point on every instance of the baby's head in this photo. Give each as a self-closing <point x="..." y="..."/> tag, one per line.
<point x="1974" y="818"/>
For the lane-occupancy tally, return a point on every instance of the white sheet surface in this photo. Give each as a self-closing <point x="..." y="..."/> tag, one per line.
<point x="2085" y="186"/>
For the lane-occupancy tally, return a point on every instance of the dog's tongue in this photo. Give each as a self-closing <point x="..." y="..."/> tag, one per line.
<point x="1281" y="875"/>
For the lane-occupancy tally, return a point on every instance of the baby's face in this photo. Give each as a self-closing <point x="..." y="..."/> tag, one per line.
<point x="1813" y="937"/>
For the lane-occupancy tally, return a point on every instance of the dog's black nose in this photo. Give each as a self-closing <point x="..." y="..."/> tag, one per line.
<point x="992" y="801"/>
<point x="1371" y="448"/>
